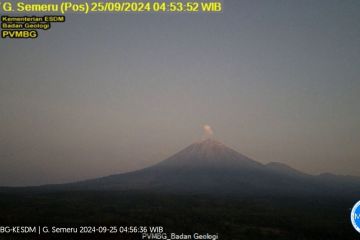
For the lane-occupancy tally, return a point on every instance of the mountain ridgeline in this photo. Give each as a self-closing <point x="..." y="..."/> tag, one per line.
<point x="210" y="167"/>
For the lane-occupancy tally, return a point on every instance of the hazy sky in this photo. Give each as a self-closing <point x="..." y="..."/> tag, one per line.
<point x="278" y="80"/>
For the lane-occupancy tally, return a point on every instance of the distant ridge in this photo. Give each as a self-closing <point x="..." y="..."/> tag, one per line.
<point x="285" y="169"/>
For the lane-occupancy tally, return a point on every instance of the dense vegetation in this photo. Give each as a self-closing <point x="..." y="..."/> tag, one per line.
<point x="266" y="217"/>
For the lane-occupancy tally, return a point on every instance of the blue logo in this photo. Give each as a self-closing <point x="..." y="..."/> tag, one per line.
<point x="355" y="216"/>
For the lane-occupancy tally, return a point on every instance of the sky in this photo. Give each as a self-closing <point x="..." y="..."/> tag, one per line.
<point x="101" y="94"/>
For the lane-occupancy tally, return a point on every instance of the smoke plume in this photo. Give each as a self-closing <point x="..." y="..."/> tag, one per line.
<point x="208" y="132"/>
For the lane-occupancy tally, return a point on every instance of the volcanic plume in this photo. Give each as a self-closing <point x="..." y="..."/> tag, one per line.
<point x="208" y="132"/>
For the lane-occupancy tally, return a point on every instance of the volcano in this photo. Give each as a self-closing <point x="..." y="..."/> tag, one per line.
<point x="210" y="166"/>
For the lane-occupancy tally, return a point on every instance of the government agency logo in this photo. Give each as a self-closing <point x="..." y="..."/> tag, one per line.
<point x="355" y="216"/>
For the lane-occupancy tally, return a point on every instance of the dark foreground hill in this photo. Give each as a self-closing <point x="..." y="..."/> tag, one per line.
<point x="250" y="218"/>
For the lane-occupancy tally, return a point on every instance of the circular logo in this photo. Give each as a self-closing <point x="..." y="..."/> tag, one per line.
<point x="355" y="216"/>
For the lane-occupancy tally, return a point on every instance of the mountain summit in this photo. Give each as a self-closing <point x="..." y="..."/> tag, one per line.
<point x="206" y="154"/>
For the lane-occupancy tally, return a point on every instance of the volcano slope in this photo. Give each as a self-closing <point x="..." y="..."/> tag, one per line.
<point x="210" y="167"/>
